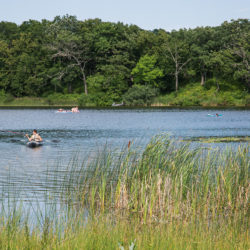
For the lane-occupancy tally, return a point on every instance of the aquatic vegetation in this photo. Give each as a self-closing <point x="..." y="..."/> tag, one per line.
<point x="219" y="139"/>
<point x="165" y="196"/>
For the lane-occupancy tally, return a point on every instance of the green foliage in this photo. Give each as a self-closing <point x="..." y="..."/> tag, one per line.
<point x="197" y="95"/>
<point x="83" y="100"/>
<point x="8" y="98"/>
<point x="139" y="95"/>
<point x="96" y="83"/>
<point x="105" y="59"/>
<point x="98" y="99"/>
<point x="146" y="71"/>
<point x="2" y="94"/>
<point x="62" y="99"/>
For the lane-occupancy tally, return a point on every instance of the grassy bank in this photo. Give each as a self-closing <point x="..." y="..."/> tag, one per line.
<point x="105" y="234"/>
<point x="50" y="101"/>
<point x="206" y="96"/>
<point x="192" y="95"/>
<point x="162" y="197"/>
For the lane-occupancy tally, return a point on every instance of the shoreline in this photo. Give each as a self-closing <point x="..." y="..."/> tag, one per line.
<point x="153" y="106"/>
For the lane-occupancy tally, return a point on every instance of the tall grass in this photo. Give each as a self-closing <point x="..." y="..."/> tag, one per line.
<point x="167" y="196"/>
<point x="207" y="96"/>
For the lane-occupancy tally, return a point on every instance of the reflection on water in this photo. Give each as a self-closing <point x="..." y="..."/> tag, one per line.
<point x="67" y="135"/>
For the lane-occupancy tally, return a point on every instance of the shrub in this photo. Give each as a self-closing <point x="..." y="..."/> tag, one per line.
<point x="9" y="98"/>
<point x="98" y="99"/>
<point x="2" y="95"/>
<point x="83" y="100"/>
<point x="62" y="99"/>
<point x="140" y="95"/>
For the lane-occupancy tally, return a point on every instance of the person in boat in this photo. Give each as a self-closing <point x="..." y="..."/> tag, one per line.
<point x="35" y="136"/>
<point x="75" y="109"/>
<point x="217" y="115"/>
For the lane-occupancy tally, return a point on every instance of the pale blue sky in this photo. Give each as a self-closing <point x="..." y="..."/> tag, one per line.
<point x="147" y="14"/>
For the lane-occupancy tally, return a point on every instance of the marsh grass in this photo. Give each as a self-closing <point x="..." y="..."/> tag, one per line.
<point x="219" y="139"/>
<point x="167" y="196"/>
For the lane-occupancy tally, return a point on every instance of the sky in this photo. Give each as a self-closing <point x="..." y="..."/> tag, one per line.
<point x="147" y="14"/>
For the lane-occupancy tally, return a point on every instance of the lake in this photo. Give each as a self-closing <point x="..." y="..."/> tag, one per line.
<point x="68" y="135"/>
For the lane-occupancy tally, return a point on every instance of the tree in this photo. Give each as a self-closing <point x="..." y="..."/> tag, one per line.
<point x="234" y="46"/>
<point x="4" y="71"/>
<point x="104" y="59"/>
<point x="146" y="71"/>
<point x="24" y="67"/>
<point x="115" y="54"/>
<point x="202" y="42"/>
<point x="240" y="49"/>
<point x="140" y="95"/>
<point x="70" y="46"/>
<point x="8" y="31"/>
<point x="176" y="50"/>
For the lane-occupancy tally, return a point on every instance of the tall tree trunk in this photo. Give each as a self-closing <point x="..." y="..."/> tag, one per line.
<point x="217" y="83"/>
<point x="85" y="84"/>
<point x="176" y="81"/>
<point x="69" y="88"/>
<point x="202" y="79"/>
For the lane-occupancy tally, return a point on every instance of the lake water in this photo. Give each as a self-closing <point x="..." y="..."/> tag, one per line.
<point x="66" y="135"/>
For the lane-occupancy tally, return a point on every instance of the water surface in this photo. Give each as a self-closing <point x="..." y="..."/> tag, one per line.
<point x="66" y="135"/>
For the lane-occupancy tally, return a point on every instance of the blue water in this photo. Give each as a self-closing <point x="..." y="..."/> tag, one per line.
<point x="66" y="135"/>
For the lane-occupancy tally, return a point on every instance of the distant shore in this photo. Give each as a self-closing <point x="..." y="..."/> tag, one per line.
<point x="153" y="106"/>
<point x="187" y="97"/>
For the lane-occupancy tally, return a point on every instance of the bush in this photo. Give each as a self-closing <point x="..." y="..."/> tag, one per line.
<point x="140" y="95"/>
<point x="9" y="98"/>
<point x="98" y="99"/>
<point x="83" y="100"/>
<point x="2" y="95"/>
<point x="195" y="94"/>
<point x="62" y="99"/>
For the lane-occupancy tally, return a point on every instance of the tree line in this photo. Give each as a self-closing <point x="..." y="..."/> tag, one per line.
<point x="110" y="60"/>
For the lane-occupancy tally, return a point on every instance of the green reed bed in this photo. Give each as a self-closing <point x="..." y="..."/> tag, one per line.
<point x="166" y="196"/>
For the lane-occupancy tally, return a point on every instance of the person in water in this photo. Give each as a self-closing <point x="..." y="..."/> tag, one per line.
<point x="75" y="109"/>
<point x="34" y="137"/>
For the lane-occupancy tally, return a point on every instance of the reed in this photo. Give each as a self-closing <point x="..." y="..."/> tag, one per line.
<point x="168" y="195"/>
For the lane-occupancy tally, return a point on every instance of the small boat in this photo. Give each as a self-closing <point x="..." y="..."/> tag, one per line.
<point x="34" y="144"/>
<point x="216" y="115"/>
<point x="117" y="104"/>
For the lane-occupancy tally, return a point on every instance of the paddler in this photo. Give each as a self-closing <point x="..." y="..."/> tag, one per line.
<point x="34" y="137"/>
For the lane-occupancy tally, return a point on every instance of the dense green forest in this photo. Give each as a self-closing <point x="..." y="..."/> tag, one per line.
<point x="96" y="62"/>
